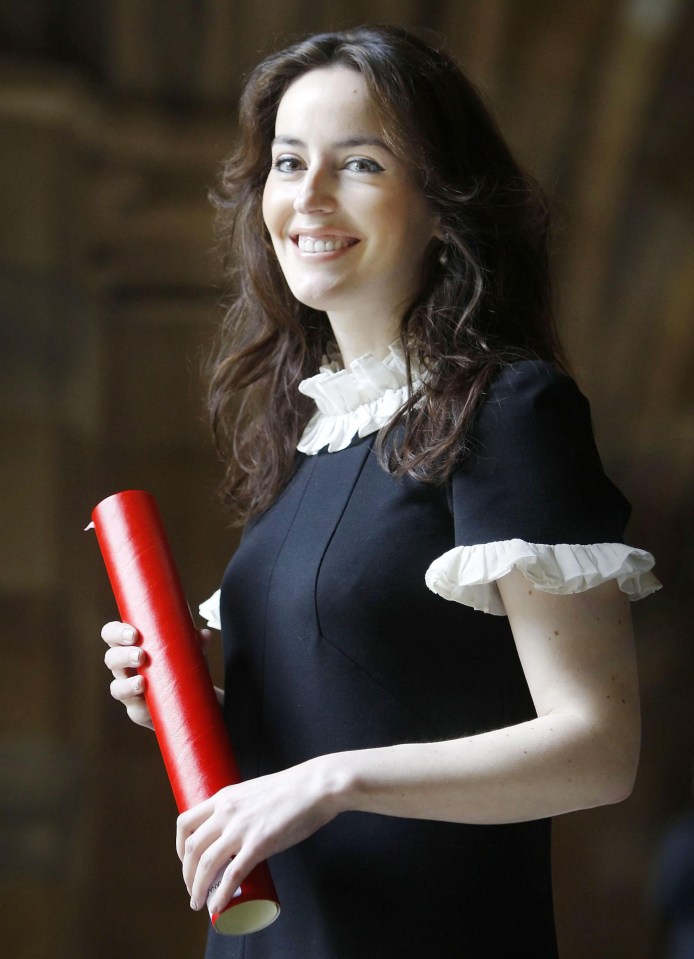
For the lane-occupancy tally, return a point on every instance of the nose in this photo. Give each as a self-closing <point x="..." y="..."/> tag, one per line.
<point x="316" y="193"/>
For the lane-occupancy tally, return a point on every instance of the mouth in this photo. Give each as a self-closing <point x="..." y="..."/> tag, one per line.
<point x="323" y="244"/>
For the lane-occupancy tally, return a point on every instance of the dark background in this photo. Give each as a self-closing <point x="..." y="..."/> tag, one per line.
<point x="114" y="117"/>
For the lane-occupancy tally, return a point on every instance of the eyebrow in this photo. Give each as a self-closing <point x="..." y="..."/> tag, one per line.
<point x="349" y="143"/>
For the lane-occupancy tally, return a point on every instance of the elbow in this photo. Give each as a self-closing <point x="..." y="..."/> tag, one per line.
<point x="608" y="786"/>
<point x="619" y="787"/>
<point x="626" y="779"/>
<point x="618" y="767"/>
<point x="606" y="750"/>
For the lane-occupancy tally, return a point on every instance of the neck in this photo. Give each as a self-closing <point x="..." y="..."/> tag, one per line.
<point x="355" y="338"/>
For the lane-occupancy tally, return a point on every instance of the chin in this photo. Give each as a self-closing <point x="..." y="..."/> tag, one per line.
<point x="315" y="299"/>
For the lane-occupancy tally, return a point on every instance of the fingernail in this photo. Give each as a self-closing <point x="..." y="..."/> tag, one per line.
<point x="135" y="657"/>
<point x="128" y="634"/>
<point x="193" y="904"/>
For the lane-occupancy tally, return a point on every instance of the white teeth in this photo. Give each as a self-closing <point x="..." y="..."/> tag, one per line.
<point x="308" y="244"/>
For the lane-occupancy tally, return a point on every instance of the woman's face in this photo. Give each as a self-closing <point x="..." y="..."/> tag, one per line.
<point x="348" y="224"/>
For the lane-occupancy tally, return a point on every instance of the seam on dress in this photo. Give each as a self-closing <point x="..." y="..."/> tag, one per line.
<point x="328" y="543"/>
<point x="322" y="634"/>
<point x="381" y="685"/>
<point x="311" y="465"/>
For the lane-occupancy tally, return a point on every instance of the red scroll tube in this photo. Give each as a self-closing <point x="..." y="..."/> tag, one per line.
<point x="178" y="689"/>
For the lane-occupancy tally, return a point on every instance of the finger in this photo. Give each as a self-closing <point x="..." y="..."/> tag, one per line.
<point x="196" y="851"/>
<point x="130" y="692"/>
<point x="188" y="822"/>
<point x="122" y="660"/>
<point x="234" y="874"/>
<point x="139" y="713"/>
<point x="119" y="634"/>
<point x="127" y="689"/>
<point x="212" y="862"/>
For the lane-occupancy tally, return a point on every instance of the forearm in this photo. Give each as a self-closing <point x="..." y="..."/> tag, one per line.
<point x="550" y="765"/>
<point x="578" y="660"/>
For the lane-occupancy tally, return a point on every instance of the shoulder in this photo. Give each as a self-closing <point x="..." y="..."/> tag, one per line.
<point x="533" y="462"/>
<point x="532" y="402"/>
<point x="531" y="384"/>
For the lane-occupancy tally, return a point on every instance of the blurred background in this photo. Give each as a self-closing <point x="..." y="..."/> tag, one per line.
<point x="114" y="117"/>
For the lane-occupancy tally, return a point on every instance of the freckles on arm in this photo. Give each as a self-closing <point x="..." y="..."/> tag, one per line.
<point x="578" y="656"/>
<point x="580" y="751"/>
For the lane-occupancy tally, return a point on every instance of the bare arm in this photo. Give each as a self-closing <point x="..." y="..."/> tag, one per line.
<point x="578" y="657"/>
<point x="582" y="750"/>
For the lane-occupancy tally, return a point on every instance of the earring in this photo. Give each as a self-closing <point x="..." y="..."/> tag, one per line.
<point x="443" y="255"/>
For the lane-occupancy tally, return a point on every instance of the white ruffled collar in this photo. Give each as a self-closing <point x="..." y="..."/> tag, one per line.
<point x="355" y="401"/>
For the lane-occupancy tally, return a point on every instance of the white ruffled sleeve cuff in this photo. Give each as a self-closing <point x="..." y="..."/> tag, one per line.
<point x="468" y="574"/>
<point x="209" y="610"/>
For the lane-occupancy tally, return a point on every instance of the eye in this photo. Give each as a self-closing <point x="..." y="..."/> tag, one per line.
<point x="286" y="163"/>
<point x="363" y="165"/>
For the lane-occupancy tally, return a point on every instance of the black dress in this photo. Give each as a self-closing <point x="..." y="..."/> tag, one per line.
<point x="334" y="642"/>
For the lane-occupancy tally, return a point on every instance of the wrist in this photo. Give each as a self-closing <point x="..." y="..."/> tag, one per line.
<point x="335" y="781"/>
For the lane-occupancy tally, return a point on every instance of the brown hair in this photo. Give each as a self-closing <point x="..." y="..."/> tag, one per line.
<point x="486" y="305"/>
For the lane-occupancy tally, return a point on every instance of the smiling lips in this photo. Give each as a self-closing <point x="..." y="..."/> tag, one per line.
<point x="323" y="244"/>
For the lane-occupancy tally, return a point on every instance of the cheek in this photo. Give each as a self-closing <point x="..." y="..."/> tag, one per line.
<point x="267" y="207"/>
<point x="408" y="215"/>
<point x="413" y="235"/>
<point x="275" y="207"/>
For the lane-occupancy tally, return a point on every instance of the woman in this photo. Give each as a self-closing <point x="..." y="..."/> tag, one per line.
<point x="402" y="754"/>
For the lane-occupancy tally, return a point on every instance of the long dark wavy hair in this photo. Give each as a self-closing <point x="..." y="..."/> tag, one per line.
<point x="485" y="298"/>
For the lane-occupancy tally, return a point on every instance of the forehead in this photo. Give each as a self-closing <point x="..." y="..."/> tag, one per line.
<point x="333" y="95"/>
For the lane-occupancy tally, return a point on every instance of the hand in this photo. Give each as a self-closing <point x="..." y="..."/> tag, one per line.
<point x="241" y="825"/>
<point x="123" y="657"/>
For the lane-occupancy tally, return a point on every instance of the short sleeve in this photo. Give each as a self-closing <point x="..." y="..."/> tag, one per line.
<point x="532" y="494"/>
<point x="209" y="610"/>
